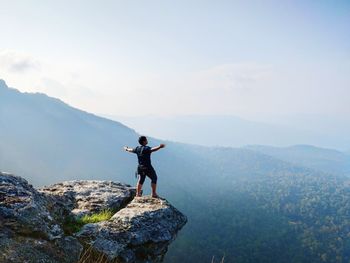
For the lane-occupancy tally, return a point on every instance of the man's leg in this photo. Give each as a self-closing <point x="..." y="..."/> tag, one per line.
<point x="142" y="178"/>
<point x="154" y="190"/>
<point x="154" y="178"/>
<point x="138" y="189"/>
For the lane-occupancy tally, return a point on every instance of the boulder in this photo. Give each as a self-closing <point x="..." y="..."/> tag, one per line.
<point x="140" y="232"/>
<point x="32" y="223"/>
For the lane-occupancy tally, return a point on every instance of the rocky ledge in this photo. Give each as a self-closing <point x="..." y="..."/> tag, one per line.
<point x="32" y="223"/>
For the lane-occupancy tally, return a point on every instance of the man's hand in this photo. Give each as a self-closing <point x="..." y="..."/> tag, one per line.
<point x="126" y="148"/>
<point x="161" y="145"/>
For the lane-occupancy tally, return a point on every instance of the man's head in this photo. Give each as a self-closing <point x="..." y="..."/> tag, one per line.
<point x="143" y="140"/>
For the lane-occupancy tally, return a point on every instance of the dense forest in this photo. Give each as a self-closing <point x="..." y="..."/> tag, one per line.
<point x="290" y="213"/>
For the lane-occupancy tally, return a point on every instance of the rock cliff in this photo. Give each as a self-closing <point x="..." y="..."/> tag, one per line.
<point x="33" y="223"/>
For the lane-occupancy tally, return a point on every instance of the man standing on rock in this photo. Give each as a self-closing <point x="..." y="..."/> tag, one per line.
<point x="145" y="167"/>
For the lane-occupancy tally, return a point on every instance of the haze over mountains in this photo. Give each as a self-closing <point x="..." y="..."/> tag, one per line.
<point x="322" y="159"/>
<point x="250" y="204"/>
<point x="46" y="140"/>
<point x="228" y="130"/>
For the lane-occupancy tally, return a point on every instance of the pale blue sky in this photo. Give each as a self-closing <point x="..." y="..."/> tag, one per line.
<point x="198" y="57"/>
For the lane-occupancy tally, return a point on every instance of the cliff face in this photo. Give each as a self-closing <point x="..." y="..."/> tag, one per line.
<point x="32" y="223"/>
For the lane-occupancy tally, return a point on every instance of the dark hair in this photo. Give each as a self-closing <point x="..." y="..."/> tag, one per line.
<point x="142" y="139"/>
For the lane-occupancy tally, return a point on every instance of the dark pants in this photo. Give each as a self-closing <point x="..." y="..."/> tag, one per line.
<point x="144" y="171"/>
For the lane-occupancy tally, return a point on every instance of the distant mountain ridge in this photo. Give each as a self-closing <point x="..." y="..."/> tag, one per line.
<point x="229" y="130"/>
<point x="322" y="159"/>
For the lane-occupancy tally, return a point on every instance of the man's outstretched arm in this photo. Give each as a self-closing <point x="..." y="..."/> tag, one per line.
<point x="126" y="148"/>
<point x="154" y="149"/>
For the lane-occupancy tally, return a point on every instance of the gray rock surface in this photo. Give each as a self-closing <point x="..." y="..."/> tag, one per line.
<point x="28" y="232"/>
<point x="31" y="223"/>
<point x="141" y="232"/>
<point x="87" y="197"/>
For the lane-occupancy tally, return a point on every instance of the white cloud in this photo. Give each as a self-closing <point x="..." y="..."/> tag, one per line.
<point x="17" y="62"/>
<point x="32" y="74"/>
<point x="233" y="77"/>
<point x="229" y="88"/>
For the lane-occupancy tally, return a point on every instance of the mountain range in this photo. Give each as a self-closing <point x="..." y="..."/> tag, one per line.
<point x="249" y="204"/>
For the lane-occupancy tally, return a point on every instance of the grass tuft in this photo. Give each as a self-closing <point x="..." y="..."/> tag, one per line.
<point x="95" y="218"/>
<point x="73" y="224"/>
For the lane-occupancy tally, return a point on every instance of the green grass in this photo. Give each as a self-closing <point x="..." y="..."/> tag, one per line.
<point x="95" y="218"/>
<point x="73" y="225"/>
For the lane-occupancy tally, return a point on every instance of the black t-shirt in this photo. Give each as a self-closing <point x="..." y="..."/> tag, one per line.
<point x="143" y="155"/>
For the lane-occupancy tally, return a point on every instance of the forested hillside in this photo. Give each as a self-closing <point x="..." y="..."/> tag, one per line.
<point x="259" y="208"/>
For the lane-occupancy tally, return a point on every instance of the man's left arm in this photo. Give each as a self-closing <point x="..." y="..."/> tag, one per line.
<point x="154" y="149"/>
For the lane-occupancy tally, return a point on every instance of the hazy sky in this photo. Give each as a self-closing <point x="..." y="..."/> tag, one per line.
<point x="181" y="57"/>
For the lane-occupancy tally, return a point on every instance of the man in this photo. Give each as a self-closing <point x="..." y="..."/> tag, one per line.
<point x="145" y="167"/>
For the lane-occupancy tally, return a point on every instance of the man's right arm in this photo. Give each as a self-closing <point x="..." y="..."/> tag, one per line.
<point x="131" y="150"/>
